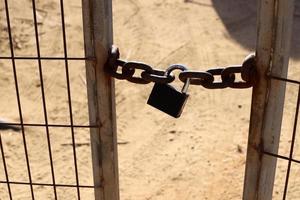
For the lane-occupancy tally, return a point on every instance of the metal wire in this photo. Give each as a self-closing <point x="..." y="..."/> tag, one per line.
<point x="18" y="96"/>
<point x="69" y="94"/>
<point x="44" y="58"/>
<point x="51" y="125"/>
<point x="290" y="159"/>
<point x="5" y="168"/>
<point x="43" y="96"/>
<point x="47" y="184"/>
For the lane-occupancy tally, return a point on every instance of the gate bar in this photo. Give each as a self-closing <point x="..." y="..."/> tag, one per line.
<point x="274" y="21"/>
<point x="98" y="37"/>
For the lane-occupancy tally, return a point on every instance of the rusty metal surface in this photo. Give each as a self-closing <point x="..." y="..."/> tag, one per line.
<point x="208" y="79"/>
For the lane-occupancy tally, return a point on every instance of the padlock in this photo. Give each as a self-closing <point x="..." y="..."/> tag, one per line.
<point x="166" y="98"/>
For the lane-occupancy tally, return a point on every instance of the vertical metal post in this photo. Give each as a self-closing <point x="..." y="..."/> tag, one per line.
<point x="273" y="45"/>
<point x="97" y="21"/>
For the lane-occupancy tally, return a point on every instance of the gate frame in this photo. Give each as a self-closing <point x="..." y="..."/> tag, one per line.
<point x="274" y="31"/>
<point x="98" y="37"/>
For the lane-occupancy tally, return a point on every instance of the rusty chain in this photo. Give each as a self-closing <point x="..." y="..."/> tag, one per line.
<point x="204" y="78"/>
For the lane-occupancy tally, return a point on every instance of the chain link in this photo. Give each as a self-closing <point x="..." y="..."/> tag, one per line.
<point x="196" y="77"/>
<point x="205" y="78"/>
<point x="158" y="76"/>
<point x="132" y="66"/>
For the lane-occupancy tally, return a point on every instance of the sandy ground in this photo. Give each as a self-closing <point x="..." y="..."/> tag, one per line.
<point x="199" y="156"/>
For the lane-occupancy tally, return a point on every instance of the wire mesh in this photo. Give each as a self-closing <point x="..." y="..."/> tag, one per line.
<point x="53" y="182"/>
<point x="290" y="157"/>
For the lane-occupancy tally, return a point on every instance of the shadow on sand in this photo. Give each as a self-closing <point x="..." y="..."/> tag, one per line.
<point x="239" y="18"/>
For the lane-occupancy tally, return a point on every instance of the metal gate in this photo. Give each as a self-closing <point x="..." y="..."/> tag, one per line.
<point x="77" y="137"/>
<point x="273" y="43"/>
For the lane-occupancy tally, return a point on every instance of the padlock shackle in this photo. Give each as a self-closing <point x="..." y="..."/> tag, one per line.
<point x="174" y="67"/>
<point x="182" y="68"/>
<point x="186" y="85"/>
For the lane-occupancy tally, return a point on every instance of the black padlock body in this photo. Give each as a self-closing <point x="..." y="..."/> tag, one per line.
<point x="166" y="98"/>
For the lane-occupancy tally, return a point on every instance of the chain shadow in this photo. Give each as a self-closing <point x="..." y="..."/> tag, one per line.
<point x="239" y="18"/>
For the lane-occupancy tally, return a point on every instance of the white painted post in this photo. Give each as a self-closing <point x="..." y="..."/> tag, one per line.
<point x="98" y="36"/>
<point x="273" y="46"/>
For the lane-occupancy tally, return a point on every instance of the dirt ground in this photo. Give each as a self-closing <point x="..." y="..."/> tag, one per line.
<point x="199" y="156"/>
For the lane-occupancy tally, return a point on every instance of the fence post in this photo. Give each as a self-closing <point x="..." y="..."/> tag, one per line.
<point x="97" y="25"/>
<point x="273" y="45"/>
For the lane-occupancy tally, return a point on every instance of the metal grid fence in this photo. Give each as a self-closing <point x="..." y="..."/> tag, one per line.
<point x="290" y="157"/>
<point x="72" y="126"/>
<point x="38" y="58"/>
